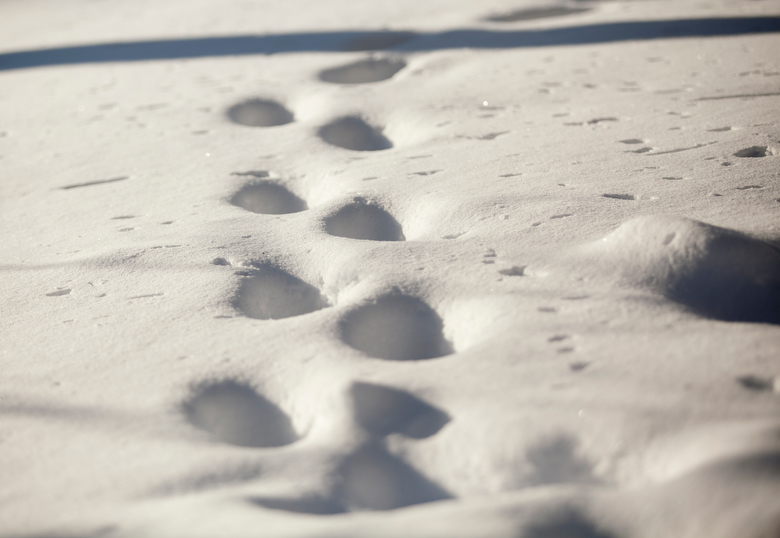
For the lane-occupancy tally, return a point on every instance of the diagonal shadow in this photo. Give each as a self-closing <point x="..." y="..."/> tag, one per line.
<point x="399" y="41"/>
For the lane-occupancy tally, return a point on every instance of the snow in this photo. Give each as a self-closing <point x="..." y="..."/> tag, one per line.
<point x="430" y="268"/>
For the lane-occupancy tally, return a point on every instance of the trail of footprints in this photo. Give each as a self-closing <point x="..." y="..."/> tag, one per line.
<point x="395" y="327"/>
<point x="400" y="327"/>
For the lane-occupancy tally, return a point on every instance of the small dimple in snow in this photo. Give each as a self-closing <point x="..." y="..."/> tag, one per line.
<point x="754" y="151"/>
<point x="59" y="293"/>
<point x="515" y="270"/>
<point x="601" y="120"/>
<point x="456" y="235"/>
<point x="92" y="183"/>
<point x="620" y="196"/>
<point x="492" y="136"/>
<point x="758" y="383"/>
<point x="252" y="173"/>
<point x="363" y="71"/>
<point x="259" y="113"/>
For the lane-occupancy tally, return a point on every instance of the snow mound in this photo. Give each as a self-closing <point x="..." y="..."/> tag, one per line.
<point x="720" y="273"/>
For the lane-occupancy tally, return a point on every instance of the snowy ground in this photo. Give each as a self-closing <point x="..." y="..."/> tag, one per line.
<point x="413" y="268"/>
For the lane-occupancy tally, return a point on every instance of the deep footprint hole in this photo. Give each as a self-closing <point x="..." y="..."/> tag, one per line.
<point x="515" y="270"/>
<point x="396" y="328"/>
<point x="267" y="198"/>
<point x="233" y="412"/>
<point x="620" y="196"/>
<point x="259" y="113"/>
<point x="372" y="479"/>
<point x="363" y="71"/>
<point x="275" y="294"/>
<point x="362" y="220"/>
<point x="382" y="411"/>
<point x="354" y="134"/>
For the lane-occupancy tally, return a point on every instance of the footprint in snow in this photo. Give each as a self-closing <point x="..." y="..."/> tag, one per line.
<point x="259" y="113"/>
<point x="364" y="220"/>
<point x="271" y="293"/>
<point x="396" y="327"/>
<point x="354" y="134"/>
<point x="381" y="411"/>
<point x="363" y="71"/>
<point x="233" y="412"/>
<point x="268" y="198"/>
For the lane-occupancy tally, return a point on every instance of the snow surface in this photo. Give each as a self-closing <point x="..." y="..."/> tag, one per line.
<point x="416" y="268"/>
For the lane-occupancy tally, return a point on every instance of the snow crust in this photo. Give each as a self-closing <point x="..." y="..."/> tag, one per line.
<point x="432" y="268"/>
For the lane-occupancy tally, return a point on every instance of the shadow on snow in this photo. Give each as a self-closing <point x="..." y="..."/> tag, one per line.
<point x="399" y="41"/>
